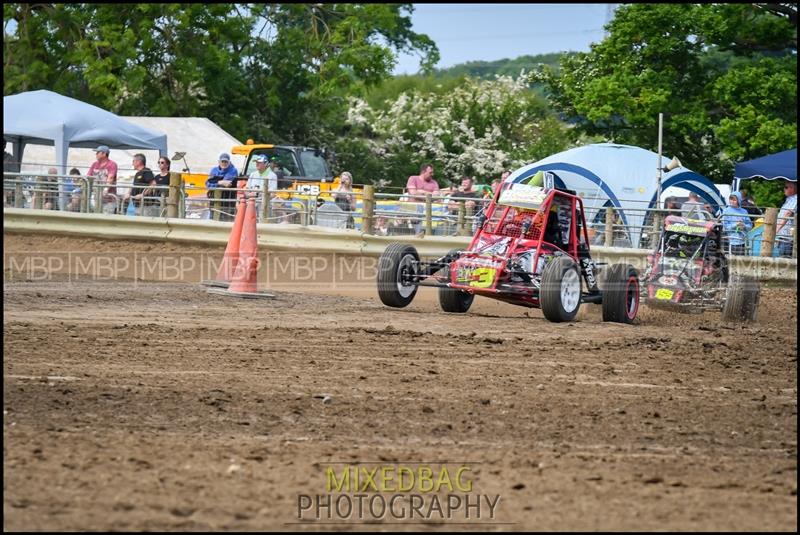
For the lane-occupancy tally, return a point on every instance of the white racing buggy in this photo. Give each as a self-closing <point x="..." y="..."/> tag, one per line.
<point x="688" y="272"/>
<point x="530" y="249"/>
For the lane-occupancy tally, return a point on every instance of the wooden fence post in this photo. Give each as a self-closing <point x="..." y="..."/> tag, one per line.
<point x="768" y="238"/>
<point x="174" y="193"/>
<point x="428" y="214"/>
<point x="609" y="237"/>
<point x="369" y="209"/>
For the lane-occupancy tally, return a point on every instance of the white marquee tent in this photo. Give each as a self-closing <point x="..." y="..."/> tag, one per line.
<point x="621" y="176"/>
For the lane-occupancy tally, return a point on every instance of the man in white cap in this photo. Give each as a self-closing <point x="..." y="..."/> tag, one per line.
<point x="105" y="172"/>
<point x="223" y="176"/>
<point x="262" y="176"/>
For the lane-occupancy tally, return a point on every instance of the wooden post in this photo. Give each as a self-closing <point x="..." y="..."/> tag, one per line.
<point x="265" y="204"/>
<point x="98" y="197"/>
<point x="468" y="214"/>
<point x="461" y="215"/>
<point x="794" y="236"/>
<point x="428" y="214"/>
<point x="768" y="238"/>
<point x="19" y="196"/>
<point x="174" y="194"/>
<point x="216" y="204"/>
<point x="86" y="194"/>
<point x="369" y="209"/>
<point x="658" y="221"/>
<point x="609" y="237"/>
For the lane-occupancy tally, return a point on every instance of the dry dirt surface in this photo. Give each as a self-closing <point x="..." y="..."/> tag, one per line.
<point x="144" y="405"/>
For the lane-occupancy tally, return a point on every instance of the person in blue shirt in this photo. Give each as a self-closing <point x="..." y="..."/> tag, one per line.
<point x="223" y="176"/>
<point x="735" y="224"/>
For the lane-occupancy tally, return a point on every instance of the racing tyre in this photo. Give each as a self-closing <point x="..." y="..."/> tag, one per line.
<point x="397" y="262"/>
<point x="560" y="295"/>
<point x="451" y="299"/>
<point x="621" y="294"/>
<point x="741" y="299"/>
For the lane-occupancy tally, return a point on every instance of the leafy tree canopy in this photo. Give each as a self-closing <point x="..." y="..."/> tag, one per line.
<point x="724" y="75"/>
<point x="268" y="71"/>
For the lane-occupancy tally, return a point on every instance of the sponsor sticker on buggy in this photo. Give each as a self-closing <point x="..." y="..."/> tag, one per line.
<point x="687" y="229"/>
<point x="664" y="293"/>
<point x="481" y="277"/>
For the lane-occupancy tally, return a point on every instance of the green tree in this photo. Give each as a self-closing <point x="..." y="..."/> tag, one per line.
<point x="724" y="75"/>
<point x="274" y="72"/>
<point x="478" y="128"/>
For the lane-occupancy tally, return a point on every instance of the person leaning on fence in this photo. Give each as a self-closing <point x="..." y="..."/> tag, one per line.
<point x="76" y="195"/>
<point x="345" y="197"/>
<point x="419" y="185"/>
<point x="735" y="225"/>
<point x="157" y="192"/>
<point x="262" y="176"/>
<point x="464" y="191"/>
<point x="692" y="206"/>
<point x="46" y="188"/>
<point x="784" y="230"/>
<point x="749" y="204"/>
<point x="104" y="171"/>
<point x="223" y="177"/>
<point x="141" y="180"/>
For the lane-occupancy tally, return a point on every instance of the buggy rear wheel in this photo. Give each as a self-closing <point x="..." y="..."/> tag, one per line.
<point x="451" y="299"/>
<point x="741" y="299"/>
<point x="396" y="266"/>
<point x="560" y="294"/>
<point x="621" y="294"/>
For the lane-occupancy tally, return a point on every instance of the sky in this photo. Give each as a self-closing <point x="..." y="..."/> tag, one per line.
<point x="470" y="32"/>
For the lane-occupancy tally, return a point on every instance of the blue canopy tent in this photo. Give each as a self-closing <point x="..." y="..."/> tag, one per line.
<point x="47" y="118"/>
<point x="779" y="166"/>
<point x="622" y="176"/>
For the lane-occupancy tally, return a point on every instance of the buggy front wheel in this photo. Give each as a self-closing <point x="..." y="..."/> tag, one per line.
<point x="560" y="294"/>
<point x="397" y="267"/>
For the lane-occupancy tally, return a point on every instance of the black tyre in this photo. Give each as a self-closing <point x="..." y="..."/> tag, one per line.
<point x="451" y="299"/>
<point x="621" y="294"/>
<point x="560" y="295"/>
<point x="397" y="262"/>
<point x="741" y="299"/>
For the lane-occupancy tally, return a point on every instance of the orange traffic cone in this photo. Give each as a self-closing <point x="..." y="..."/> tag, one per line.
<point x="245" y="279"/>
<point x="231" y="257"/>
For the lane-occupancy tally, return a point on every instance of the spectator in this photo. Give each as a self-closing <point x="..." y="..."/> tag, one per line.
<point x="104" y="170"/>
<point x="46" y="189"/>
<point x="735" y="224"/>
<point x="223" y="177"/>
<point x="672" y="206"/>
<point x="784" y="230"/>
<point x="157" y="192"/>
<point x="418" y="185"/>
<point x="76" y="195"/>
<point x="263" y="174"/>
<point x="280" y="174"/>
<point x="465" y="190"/>
<point x="141" y="180"/>
<point x="748" y="203"/>
<point x="345" y="198"/>
<point x="381" y="226"/>
<point x="692" y="205"/>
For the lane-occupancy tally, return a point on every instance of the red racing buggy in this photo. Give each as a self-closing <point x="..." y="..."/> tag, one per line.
<point x="688" y="272"/>
<point x="531" y="249"/>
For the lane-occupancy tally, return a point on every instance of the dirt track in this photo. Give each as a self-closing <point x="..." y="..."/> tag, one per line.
<point x="157" y="406"/>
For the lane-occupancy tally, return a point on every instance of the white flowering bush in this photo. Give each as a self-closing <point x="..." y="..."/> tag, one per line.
<point x="479" y="129"/>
